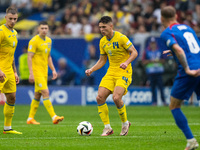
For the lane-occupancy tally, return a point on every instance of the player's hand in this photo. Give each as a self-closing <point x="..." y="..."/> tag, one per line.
<point x="123" y="66"/>
<point x="88" y="72"/>
<point x="31" y="78"/>
<point x="16" y="77"/>
<point x="2" y="76"/>
<point x="55" y="75"/>
<point x="194" y="73"/>
<point x="168" y="52"/>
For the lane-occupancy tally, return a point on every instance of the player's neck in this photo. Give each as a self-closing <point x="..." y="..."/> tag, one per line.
<point x="172" y="22"/>
<point x="8" y="27"/>
<point x="42" y="36"/>
<point x="110" y="35"/>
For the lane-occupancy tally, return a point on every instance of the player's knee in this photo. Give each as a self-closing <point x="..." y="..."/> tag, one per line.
<point x="116" y="98"/>
<point x="45" y="93"/>
<point x="174" y="106"/>
<point x="11" y="99"/>
<point x="99" y="99"/>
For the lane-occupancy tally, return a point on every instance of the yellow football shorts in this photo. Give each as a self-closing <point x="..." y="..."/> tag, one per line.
<point x="40" y="84"/>
<point x="9" y="85"/>
<point x="110" y="82"/>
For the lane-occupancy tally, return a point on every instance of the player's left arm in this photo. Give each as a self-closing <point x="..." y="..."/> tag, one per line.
<point x="15" y="71"/>
<point x="183" y="61"/>
<point x="133" y="54"/>
<point x="50" y="63"/>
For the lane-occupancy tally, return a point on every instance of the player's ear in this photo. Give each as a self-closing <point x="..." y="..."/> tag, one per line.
<point x="176" y="16"/>
<point x="111" y="25"/>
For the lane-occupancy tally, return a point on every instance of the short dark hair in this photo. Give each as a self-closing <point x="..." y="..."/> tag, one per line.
<point x="11" y="10"/>
<point x="105" y="19"/>
<point x="43" y="23"/>
<point x="168" y="12"/>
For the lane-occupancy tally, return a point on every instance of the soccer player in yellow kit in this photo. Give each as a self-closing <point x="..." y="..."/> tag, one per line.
<point x="8" y="72"/>
<point x="120" y="52"/>
<point x="39" y="59"/>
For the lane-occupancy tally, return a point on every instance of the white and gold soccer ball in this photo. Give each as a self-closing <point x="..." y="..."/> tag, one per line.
<point x="85" y="128"/>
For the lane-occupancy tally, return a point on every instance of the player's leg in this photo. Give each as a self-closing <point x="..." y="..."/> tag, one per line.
<point x="121" y="86"/>
<point x="9" y="109"/>
<point x="153" y="88"/>
<point x="181" y="121"/>
<point x="182" y="90"/>
<point x="8" y="87"/>
<point x="33" y="109"/>
<point x="49" y="107"/>
<point x="161" y="87"/>
<point x="103" y="93"/>
<point x="121" y="108"/>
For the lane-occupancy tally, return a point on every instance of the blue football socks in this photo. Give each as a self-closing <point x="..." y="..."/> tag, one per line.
<point x="182" y="123"/>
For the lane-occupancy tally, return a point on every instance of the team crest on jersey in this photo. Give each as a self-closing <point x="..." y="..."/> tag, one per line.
<point x="45" y="50"/>
<point x="40" y="84"/>
<point x="109" y="44"/>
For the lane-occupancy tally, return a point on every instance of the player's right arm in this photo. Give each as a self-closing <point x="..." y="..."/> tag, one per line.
<point x="31" y="76"/>
<point x="180" y="54"/>
<point x="100" y="63"/>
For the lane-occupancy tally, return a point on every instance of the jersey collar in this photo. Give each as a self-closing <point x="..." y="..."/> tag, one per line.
<point x="171" y="25"/>
<point x="42" y="38"/>
<point x="8" y="28"/>
<point x="112" y="36"/>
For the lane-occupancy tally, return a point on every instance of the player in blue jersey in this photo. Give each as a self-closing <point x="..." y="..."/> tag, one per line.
<point x="185" y="47"/>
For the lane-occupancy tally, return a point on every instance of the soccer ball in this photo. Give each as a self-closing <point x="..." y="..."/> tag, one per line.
<point x="84" y="128"/>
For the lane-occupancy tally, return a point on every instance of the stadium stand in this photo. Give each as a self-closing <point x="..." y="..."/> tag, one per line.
<point x="135" y="18"/>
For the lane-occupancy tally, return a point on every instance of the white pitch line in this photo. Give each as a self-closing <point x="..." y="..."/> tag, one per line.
<point x="75" y="137"/>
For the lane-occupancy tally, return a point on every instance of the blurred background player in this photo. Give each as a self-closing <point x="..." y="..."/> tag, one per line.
<point x="66" y="76"/>
<point x="89" y="61"/>
<point x="39" y="59"/>
<point x="185" y="47"/>
<point x="8" y="72"/>
<point x="120" y="53"/>
<point x="153" y="61"/>
<point x="23" y="67"/>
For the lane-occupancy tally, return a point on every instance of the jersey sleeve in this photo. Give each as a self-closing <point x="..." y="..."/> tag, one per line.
<point x="102" y="52"/>
<point x="125" y="42"/>
<point x="1" y="35"/>
<point x="168" y="39"/>
<point x="32" y="46"/>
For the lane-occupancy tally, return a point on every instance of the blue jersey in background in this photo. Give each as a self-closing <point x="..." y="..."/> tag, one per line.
<point x="186" y="38"/>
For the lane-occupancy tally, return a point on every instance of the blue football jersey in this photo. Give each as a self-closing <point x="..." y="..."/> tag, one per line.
<point x="153" y="67"/>
<point x="186" y="38"/>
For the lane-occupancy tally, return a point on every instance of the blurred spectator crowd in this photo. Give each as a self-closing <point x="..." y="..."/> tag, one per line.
<point x="138" y="19"/>
<point x="79" y="17"/>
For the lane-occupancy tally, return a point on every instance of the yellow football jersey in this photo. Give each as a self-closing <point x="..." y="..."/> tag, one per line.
<point x="8" y="44"/>
<point x="41" y="49"/>
<point x="116" y="49"/>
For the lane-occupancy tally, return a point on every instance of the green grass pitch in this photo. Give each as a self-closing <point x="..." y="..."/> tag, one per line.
<point x="153" y="128"/>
